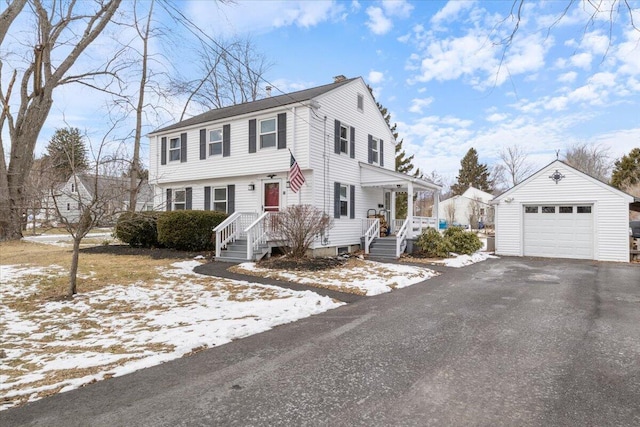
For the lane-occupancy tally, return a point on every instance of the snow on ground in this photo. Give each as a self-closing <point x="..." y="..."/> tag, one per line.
<point x="358" y="276"/>
<point x="461" y="260"/>
<point x="62" y="345"/>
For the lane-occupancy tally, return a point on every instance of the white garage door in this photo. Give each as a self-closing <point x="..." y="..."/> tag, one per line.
<point x="558" y="231"/>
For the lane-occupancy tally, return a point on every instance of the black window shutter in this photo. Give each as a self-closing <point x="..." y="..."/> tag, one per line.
<point x="336" y="132"/>
<point x="252" y="135"/>
<point x="282" y="130"/>
<point x="203" y="144"/>
<point x="226" y="140"/>
<point x="381" y="153"/>
<point x="352" y="143"/>
<point x="231" y="199"/>
<point x="188" y="192"/>
<point x="163" y="150"/>
<point x="370" y="150"/>
<point x="183" y="147"/>
<point x="352" y="201"/>
<point x="207" y="198"/>
<point x="168" y="199"/>
<point x="336" y="200"/>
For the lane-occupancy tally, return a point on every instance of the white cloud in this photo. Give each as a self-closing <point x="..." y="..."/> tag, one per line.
<point x="355" y="6"/>
<point x="451" y="11"/>
<point x="569" y="77"/>
<point x="375" y="77"/>
<point x="397" y="8"/>
<point x="581" y="60"/>
<point x="417" y="104"/>
<point x="378" y="23"/>
<point x="496" y="117"/>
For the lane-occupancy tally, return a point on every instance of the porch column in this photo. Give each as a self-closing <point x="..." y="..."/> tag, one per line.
<point x="392" y="208"/>
<point x="436" y="208"/>
<point x="410" y="209"/>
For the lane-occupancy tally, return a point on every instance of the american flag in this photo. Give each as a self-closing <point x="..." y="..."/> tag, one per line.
<point x="296" y="178"/>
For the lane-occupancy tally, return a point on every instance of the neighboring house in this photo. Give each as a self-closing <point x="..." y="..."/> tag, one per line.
<point x="113" y="195"/>
<point x="560" y="212"/>
<point x="236" y="160"/>
<point x="468" y="208"/>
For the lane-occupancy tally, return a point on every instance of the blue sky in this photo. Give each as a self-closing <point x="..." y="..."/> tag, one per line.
<point x="439" y="69"/>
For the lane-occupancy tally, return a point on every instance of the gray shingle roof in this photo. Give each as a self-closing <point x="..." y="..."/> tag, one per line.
<point x="259" y="105"/>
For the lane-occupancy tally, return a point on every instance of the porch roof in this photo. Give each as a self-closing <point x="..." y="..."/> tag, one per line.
<point x="375" y="176"/>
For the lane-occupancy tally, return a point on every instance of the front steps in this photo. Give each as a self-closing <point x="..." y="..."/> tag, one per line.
<point x="237" y="252"/>
<point x="383" y="248"/>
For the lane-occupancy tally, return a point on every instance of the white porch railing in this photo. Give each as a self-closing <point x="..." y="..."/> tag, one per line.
<point x="257" y="233"/>
<point x="420" y="223"/>
<point x="396" y="224"/>
<point x="371" y="232"/>
<point x="232" y="229"/>
<point x="401" y="237"/>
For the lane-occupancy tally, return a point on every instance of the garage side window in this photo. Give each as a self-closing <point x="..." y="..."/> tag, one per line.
<point x="566" y="209"/>
<point x="530" y="209"/>
<point x="548" y="209"/>
<point x="583" y="209"/>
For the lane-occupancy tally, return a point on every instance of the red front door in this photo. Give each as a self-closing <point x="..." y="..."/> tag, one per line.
<point x="272" y="197"/>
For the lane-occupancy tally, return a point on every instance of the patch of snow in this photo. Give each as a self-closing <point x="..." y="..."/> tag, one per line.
<point x="462" y="260"/>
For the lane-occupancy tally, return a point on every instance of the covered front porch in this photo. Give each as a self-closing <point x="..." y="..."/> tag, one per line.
<point x="398" y="229"/>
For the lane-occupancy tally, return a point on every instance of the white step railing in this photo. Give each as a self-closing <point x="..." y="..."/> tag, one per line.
<point x="372" y="231"/>
<point x="401" y="237"/>
<point x="232" y="228"/>
<point x="257" y="233"/>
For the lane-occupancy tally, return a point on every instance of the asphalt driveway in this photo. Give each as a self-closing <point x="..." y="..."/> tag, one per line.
<point x="504" y="342"/>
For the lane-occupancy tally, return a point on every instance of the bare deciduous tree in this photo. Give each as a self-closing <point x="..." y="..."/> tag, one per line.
<point x="515" y="162"/>
<point x="298" y="226"/>
<point x="68" y="27"/>
<point x="232" y="73"/>
<point x="591" y="159"/>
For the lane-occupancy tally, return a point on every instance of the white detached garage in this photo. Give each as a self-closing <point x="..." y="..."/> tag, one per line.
<point x="560" y="212"/>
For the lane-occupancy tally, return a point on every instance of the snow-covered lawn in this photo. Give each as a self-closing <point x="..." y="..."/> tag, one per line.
<point x="357" y="276"/>
<point x="50" y="346"/>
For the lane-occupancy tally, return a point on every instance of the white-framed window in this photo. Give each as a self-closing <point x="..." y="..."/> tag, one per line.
<point x="360" y="102"/>
<point x="174" y="149"/>
<point x="179" y="200"/>
<point x="375" y="150"/>
<point x="344" y="139"/>
<point x="68" y="206"/>
<point x="344" y="200"/>
<point x="220" y="199"/>
<point x="215" y="142"/>
<point x="268" y="133"/>
<point x="73" y="188"/>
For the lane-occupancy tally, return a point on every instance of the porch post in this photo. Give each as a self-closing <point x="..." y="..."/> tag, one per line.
<point x="436" y="208"/>
<point x="392" y="208"/>
<point x="410" y="208"/>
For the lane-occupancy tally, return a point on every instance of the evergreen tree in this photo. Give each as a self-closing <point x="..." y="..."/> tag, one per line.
<point x="626" y="171"/>
<point x="66" y="153"/>
<point x="472" y="174"/>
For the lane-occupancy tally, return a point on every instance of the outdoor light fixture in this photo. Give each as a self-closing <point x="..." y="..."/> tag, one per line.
<point x="288" y="184"/>
<point x="252" y="187"/>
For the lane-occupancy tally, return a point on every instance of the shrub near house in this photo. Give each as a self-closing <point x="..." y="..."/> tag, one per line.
<point x="454" y="239"/>
<point x="188" y="230"/>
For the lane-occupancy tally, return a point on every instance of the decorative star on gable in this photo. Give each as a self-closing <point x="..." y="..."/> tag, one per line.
<point x="556" y="176"/>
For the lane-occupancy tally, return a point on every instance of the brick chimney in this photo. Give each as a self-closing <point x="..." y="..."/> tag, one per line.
<point x="339" y="78"/>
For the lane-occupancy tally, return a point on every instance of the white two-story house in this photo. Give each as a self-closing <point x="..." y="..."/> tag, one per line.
<point x="236" y="160"/>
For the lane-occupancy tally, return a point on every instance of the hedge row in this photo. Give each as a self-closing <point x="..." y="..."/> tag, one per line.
<point x="182" y="230"/>
<point x="454" y="239"/>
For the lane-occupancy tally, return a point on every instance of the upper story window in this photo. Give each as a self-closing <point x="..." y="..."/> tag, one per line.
<point x="179" y="200"/>
<point x="344" y="139"/>
<point x="215" y="142"/>
<point x="268" y="133"/>
<point x="174" y="149"/>
<point x="344" y="200"/>
<point x="375" y="150"/>
<point x="73" y="188"/>
<point x="220" y="199"/>
<point x="360" y="102"/>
